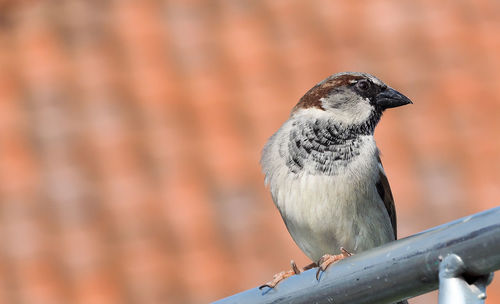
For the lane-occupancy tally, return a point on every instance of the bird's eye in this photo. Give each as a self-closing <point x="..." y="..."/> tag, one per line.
<point x="363" y="85"/>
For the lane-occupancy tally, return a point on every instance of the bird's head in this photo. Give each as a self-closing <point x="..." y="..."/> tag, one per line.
<point x="351" y="98"/>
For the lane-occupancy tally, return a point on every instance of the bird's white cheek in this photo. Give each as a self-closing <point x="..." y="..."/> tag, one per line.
<point x="362" y="111"/>
<point x="353" y="113"/>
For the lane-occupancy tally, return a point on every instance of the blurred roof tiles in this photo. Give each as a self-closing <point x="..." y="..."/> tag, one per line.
<point x="130" y="134"/>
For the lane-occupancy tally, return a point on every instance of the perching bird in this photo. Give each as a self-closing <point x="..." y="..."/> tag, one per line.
<point x="324" y="170"/>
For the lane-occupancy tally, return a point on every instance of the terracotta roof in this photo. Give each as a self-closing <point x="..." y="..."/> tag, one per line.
<point x="130" y="134"/>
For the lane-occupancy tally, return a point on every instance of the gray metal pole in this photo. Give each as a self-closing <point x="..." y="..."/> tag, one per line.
<point x="395" y="271"/>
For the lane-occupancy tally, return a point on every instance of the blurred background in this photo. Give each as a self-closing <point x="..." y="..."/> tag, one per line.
<point x="131" y="131"/>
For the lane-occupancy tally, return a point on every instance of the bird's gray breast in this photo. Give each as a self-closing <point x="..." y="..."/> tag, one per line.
<point x="320" y="147"/>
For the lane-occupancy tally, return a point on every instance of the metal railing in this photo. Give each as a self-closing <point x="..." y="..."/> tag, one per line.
<point x="458" y="258"/>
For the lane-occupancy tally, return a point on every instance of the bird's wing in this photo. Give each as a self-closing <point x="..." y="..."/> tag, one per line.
<point x="384" y="190"/>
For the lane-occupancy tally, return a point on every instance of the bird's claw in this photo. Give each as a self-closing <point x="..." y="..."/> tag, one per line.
<point x="278" y="278"/>
<point x="329" y="259"/>
<point x="285" y="274"/>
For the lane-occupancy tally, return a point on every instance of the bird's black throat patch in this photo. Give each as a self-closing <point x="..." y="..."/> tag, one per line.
<point x="329" y="145"/>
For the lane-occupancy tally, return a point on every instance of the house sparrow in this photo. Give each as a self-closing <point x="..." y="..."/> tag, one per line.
<point x="324" y="170"/>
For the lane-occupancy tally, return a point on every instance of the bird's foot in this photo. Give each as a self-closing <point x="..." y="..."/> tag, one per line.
<point x="329" y="259"/>
<point x="285" y="274"/>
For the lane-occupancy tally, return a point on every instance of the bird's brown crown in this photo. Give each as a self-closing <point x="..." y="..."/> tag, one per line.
<point x="312" y="99"/>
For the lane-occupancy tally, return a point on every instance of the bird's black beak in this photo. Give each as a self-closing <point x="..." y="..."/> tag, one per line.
<point x="390" y="98"/>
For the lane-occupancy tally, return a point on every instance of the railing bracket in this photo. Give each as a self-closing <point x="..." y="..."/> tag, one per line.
<point x="454" y="288"/>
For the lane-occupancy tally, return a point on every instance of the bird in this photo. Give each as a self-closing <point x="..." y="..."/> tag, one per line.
<point x="324" y="171"/>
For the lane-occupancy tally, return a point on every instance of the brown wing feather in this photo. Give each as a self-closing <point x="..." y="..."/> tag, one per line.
<point x="384" y="190"/>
